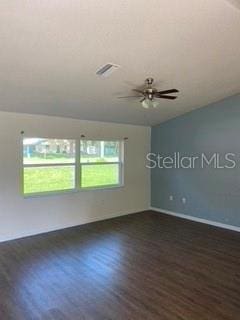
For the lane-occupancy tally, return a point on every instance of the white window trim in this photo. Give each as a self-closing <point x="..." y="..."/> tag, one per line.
<point x="77" y="164"/>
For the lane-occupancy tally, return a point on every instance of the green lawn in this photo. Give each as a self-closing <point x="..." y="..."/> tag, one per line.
<point x="99" y="175"/>
<point x="46" y="179"/>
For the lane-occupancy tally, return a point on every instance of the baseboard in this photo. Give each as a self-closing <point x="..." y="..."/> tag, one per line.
<point x="196" y="219"/>
<point x="56" y="228"/>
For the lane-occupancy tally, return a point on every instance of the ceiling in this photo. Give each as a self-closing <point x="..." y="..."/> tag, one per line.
<point x="51" y="49"/>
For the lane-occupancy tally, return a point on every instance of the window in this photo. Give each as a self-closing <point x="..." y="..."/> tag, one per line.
<point x="48" y="165"/>
<point x="101" y="163"/>
<point x="60" y="165"/>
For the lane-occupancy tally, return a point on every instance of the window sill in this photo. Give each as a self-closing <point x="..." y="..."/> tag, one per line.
<point x="70" y="191"/>
<point x="109" y="187"/>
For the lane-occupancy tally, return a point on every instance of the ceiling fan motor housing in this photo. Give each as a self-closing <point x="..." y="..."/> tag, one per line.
<point x="149" y="93"/>
<point x="149" y="81"/>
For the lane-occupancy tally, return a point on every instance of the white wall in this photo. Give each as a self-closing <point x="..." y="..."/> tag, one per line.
<point x="21" y="216"/>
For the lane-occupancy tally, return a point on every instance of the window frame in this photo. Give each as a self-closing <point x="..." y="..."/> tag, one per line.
<point x="120" y="164"/>
<point x="77" y="166"/>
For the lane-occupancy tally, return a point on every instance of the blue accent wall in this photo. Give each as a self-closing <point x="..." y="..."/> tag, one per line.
<point x="210" y="193"/>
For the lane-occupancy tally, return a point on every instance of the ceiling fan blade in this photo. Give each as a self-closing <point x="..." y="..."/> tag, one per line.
<point x="166" y="97"/>
<point x="129" y="97"/>
<point x="167" y="91"/>
<point x="138" y="90"/>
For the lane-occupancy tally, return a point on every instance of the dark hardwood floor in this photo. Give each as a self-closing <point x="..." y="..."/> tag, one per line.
<point x="141" y="266"/>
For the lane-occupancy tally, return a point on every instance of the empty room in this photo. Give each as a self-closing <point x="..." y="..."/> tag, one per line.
<point x="119" y="160"/>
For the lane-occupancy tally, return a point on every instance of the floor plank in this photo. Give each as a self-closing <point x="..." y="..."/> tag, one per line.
<point x="142" y="266"/>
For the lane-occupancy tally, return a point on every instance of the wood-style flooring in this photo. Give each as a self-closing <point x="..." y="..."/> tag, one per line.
<point x="142" y="266"/>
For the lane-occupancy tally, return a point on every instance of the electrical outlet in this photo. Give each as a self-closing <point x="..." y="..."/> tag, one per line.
<point x="171" y="198"/>
<point x="184" y="200"/>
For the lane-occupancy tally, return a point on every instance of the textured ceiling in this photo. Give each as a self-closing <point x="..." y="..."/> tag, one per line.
<point x="51" y="49"/>
<point x="236" y="3"/>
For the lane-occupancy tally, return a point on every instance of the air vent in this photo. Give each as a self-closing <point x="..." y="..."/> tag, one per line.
<point x="107" y="69"/>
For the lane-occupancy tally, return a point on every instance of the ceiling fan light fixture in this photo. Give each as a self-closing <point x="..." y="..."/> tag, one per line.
<point x="155" y="104"/>
<point x="146" y="103"/>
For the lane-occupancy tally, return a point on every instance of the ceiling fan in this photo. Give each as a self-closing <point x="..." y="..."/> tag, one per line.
<point x="149" y="94"/>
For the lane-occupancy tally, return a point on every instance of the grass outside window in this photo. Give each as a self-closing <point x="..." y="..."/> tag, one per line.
<point x="53" y="165"/>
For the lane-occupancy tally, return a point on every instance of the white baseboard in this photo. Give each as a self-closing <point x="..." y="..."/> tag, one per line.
<point x="196" y="219"/>
<point x="76" y="224"/>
